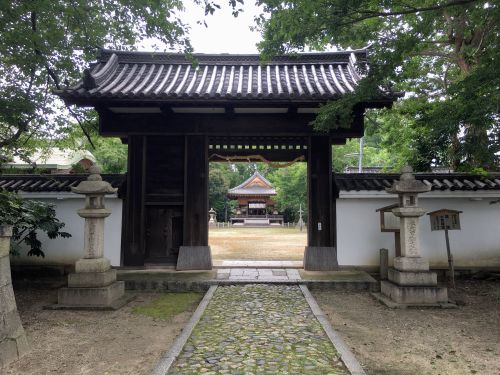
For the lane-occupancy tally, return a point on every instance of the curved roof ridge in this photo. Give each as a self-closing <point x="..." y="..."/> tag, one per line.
<point x="250" y="179"/>
<point x="312" y="78"/>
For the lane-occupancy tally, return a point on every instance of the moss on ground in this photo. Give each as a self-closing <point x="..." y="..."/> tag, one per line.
<point x="168" y="305"/>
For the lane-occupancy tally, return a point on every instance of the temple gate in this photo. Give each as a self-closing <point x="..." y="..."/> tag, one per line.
<point x="175" y="115"/>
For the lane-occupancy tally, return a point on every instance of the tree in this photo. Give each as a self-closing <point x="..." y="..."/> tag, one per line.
<point x="218" y="185"/>
<point x="443" y="53"/>
<point x="291" y="189"/>
<point x="28" y="218"/>
<point x="46" y="43"/>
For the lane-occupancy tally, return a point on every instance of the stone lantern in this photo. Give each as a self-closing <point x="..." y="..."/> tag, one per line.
<point x="211" y="221"/>
<point x="93" y="285"/>
<point x="410" y="281"/>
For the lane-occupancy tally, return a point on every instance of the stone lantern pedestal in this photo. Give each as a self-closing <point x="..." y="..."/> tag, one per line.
<point x="410" y="283"/>
<point x="93" y="285"/>
<point x="13" y="342"/>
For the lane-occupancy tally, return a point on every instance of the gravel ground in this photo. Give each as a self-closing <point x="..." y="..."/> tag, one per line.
<point x="91" y="342"/>
<point x="258" y="329"/>
<point x="268" y="243"/>
<point x="421" y="341"/>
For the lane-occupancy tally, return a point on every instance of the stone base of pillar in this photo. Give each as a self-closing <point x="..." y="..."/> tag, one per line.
<point x="92" y="265"/>
<point x="407" y="289"/>
<point x="111" y="297"/>
<point x="412" y="278"/>
<point x="411" y="264"/>
<point x="92" y="290"/>
<point x="320" y="258"/>
<point x="100" y="296"/>
<point x="194" y="258"/>
<point x="91" y="279"/>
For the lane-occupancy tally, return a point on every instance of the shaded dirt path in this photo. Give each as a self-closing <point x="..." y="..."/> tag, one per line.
<point x="421" y="341"/>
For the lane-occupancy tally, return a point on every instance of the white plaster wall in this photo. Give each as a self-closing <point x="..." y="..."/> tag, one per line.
<point x="65" y="251"/>
<point x="477" y="244"/>
<point x="358" y="230"/>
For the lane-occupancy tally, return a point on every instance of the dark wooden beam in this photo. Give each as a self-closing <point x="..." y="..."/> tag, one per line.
<point x="134" y="219"/>
<point x="321" y="228"/>
<point x="120" y="125"/>
<point x="196" y="191"/>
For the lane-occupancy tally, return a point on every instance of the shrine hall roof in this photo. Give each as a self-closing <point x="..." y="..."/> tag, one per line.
<point x="256" y="185"/>
<point x="152" y="76"/>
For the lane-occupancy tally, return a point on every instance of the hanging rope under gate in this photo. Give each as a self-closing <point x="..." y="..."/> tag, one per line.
<point x="254" y="158"/>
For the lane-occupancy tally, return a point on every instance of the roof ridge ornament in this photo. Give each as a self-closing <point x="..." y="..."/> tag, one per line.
<point x="88" y="80"/>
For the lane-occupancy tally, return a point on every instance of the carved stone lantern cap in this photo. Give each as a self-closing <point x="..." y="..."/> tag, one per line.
<point x="94" y="184"/>
<point x="407" y="183"/>
<point x="212" y="211"/>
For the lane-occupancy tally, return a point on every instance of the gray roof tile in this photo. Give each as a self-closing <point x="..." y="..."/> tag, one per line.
<point x="141" y="75"/>
<point x="343" y="181"/>
<point x="437" y="181"/>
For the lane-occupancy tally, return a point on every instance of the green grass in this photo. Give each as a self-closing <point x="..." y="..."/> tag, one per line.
<point x="168" y="305"/>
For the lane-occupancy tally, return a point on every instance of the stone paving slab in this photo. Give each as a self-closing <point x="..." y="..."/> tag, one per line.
<point x="258" y="329"/>
<point x="258" y="274"/>
<point x="259" y="263"/>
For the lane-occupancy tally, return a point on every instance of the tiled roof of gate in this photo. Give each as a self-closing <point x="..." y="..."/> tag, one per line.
<point x="437" y="181"/>
<point x="171" y="76"/>
<point x="344" y="181"/>
<point x="51" y="182"/>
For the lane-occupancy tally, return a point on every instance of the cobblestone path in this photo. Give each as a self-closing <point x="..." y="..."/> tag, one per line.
<point x="258" y="329"/>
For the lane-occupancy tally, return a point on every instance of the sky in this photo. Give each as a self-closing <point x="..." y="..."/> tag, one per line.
<point x="224" y="34"/>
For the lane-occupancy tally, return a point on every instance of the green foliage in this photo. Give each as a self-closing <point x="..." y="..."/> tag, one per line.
<point x="28" y="218"/>
<point x="168" y="305"/>
<point x="444" y="54"/>
<point x="291" y="189"/>
<point x="218" y="185"/>
<point x="46" y="43"/>
<point x="373" y="155"/>
<point x="110" y="154"/>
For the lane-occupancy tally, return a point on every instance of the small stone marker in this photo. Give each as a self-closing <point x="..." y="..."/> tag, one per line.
<point x="410" y="282"/>
<point x="384" y="263"/>
<point x="13" y="342"/>
<point x="93" y="285"/>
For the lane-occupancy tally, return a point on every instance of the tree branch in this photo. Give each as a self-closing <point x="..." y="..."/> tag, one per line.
<point x="21" y="128"/>
<point x="52" y="74"/>
<point x="375" y="14"/>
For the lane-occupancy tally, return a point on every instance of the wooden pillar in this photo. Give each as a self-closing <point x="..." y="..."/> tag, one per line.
<point x="133" y="218"/>
<point x="195" y="252"/>
<point x="320" y="254"/>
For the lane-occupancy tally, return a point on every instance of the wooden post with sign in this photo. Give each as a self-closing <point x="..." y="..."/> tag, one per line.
<point x="390" y="223"/>
<point x="446" y="219"/>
